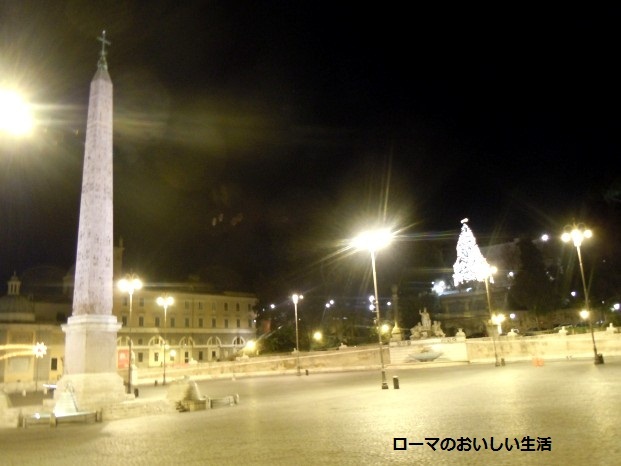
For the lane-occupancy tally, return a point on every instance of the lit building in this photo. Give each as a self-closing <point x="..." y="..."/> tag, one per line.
<point x="201" y="326"/>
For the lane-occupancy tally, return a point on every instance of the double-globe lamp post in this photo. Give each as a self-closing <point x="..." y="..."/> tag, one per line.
<point x="296" y="298"/>
<point x="129" y="284"/>
<point x="578" y="233"/>
<point x="372" y="241"/>
<point x="165" y="301"/>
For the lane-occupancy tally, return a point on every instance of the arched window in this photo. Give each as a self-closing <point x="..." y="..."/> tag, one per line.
<point x="214" y="341"/>
<point x="239" y="341"/>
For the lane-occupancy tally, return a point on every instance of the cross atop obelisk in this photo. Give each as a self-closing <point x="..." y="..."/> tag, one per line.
<point x="102" y="56"/>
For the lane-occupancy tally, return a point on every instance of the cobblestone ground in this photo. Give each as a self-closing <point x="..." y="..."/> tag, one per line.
<point x="347" y="419"/>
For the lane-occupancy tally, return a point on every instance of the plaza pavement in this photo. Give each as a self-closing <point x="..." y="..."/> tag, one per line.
<point x="567" y="412"/>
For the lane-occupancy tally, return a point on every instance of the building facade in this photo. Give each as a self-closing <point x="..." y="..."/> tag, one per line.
<point x="199" y="327"/>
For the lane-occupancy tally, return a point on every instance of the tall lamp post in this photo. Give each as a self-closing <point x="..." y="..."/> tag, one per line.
<point x="578" y="233"/>
<point x="129" y="284"/>
<point x="373" y="241"/>
<point x="295" y="298"/>
<point x="165" y="301"/>
<point x="491" y="270"/>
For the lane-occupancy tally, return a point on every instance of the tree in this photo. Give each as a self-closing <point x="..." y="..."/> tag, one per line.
<point x="533" y="287"/>
<point x="470" y="264"/>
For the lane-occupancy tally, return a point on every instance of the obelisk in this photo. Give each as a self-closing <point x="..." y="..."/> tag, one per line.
<point x="91" y="331"/>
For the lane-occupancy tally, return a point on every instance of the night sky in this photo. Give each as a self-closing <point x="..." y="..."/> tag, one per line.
<point x="258" y="136"/>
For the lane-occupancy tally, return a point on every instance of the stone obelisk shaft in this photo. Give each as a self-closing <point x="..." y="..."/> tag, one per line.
<point x="93" y="290"/>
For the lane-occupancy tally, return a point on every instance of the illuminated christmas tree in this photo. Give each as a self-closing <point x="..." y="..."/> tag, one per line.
<point x="470" y="264"/>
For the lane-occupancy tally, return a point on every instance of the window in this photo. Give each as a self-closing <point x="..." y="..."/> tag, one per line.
<point x="140" y="341"/>
<point x="156" y="356"/>
<point x="187" y="322"/>
<point x="237" y="307"/>
<point x="213" y="307"/>
<point x="200" y="355"/>
<point x="187" y="304"/>
<point x="249" y="323"/>
<point x="124" y="320"/>
<point x="213" y="323"/>
<point x="200" y="322"/>
<point x="226" y="306"/>
<point x="172" y="321"/>
<point x="200" y="305"/>
<point x="157" y="321"/>
<point x="226" y="323"/>
<point x="238" y="323"/>
<point x="141" y="321"/>
<point x="125" y="301"/>
<point x="186" y="357"/>
<point x="249" y="307"/>
<point x="140" y="357"/>
<point x="54" y="364"/>
<point x="141" y="302"/>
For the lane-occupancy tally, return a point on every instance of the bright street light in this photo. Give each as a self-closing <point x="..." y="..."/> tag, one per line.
<point x="129" y="284"/>
<point x="165" y="301"/>
<point x="498" y="319"/>
<point x="373" y="241"/>
<point x="15" y="114"/>
<point x="577" y="233"/>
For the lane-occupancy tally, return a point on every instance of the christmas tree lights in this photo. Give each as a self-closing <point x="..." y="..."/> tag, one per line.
<point x="470" y="264"/>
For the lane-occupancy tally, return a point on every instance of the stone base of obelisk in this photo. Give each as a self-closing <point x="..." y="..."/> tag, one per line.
<point x="90" y="371"/>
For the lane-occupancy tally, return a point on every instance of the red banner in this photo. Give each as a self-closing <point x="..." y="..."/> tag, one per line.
<point x="122" y="359"/>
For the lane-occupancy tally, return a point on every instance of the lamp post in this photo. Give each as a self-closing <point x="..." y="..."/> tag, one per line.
<point x="295" y="298"/>
<point x="491" y="270"/>
<point x="129" y="284"/>
<point x="372" y="241"/>
<point x="578" y="233"/>
<point x="165" y="301"/>
<point x="39" y="350"/>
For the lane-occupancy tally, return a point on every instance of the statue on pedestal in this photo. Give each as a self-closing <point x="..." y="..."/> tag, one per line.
<point x="425" y="319"/>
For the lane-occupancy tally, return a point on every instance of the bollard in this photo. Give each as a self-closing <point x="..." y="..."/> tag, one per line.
<point x="155" y="383"/>
<point x="306" y="371"/>
<point x="136" y="392"/>
<point x="395" y="382"/>
<point x="502" y="361"/>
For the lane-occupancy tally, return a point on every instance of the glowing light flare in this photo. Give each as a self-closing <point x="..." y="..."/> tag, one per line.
<point x="129" y="285"/>
<point x="39" y="350"/>
<point x="165" y="301"/>
<point x="439" y="287"/>
<point x="373" y="240"/>
<point x="15" y="114"/>
<point x="577" y="234"/>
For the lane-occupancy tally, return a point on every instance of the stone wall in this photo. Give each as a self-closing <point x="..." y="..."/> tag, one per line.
<point x="347" y="358"/>
<point x="518" y="348"/>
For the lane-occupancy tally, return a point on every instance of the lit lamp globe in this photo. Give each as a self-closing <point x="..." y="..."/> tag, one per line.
<point x="15" y="115"/>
